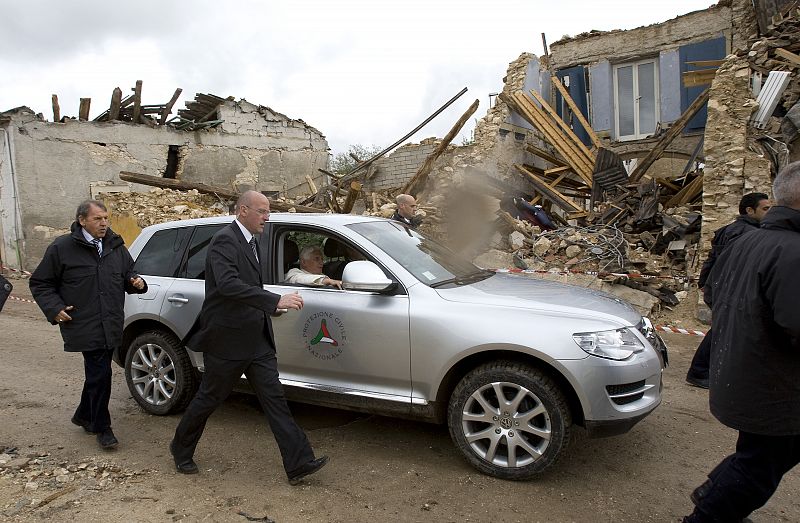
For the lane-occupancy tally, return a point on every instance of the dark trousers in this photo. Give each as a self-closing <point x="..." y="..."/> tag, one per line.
<point x="93" y="408"/>
<point x="745" y="480"/>
<point x="702" y="358"/>
<point x="219" y="378"/>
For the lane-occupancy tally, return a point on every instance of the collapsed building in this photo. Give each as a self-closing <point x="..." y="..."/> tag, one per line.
<point x="46" y="167"/>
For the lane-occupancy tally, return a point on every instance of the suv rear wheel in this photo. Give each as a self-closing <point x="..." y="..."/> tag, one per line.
<point x="159" y="373"/>
<point x="509" y="420"/>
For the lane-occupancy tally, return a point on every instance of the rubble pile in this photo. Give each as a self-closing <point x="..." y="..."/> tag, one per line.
<point x="43" y="478"/>
<point x="163" y="205"/>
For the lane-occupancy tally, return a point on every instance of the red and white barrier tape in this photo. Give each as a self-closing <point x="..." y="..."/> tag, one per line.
<point x="26" y="273"/>
<point x="632" y="275"/>
<point x="678" y="330"/>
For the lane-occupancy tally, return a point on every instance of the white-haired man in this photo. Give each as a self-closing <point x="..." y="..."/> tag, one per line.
<point x="310" y="271"/>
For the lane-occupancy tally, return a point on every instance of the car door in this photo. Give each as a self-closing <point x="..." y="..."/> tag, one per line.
<point x="184" y="297"/>
<point x="354" y="341"/>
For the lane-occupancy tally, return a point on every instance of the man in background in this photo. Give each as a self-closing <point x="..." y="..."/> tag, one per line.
<point x="406" y="209"/>
<point x="752" y="209"/>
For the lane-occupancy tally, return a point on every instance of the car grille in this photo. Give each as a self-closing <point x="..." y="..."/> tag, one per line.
<point x="626" y="392"/>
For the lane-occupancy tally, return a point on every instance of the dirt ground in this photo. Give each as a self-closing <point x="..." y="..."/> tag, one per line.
<point x="381" y="469"/>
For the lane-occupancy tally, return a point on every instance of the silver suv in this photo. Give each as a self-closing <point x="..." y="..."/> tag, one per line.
<point x="510" y="363"/>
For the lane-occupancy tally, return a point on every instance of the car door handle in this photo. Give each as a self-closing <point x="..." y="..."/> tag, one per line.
<point x="176" y="299"/>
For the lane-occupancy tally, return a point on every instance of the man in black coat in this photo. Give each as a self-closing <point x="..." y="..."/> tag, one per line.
<point x="752" y="209"/>
<point x="80" y="285"/>
<point x="755" y="359"/>
<point x="406" y="209"/>
<point x="234" y="332"/>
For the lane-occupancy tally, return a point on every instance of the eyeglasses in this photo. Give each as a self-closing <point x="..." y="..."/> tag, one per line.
<point x="262" y="212"/>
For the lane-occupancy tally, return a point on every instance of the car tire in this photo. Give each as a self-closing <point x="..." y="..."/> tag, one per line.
<point x="159" y="373"/>
<point x="509" y="420"/>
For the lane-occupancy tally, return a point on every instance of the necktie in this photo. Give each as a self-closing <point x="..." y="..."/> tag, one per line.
<point x="254" y="246"/>
<point x="98" y="245"/>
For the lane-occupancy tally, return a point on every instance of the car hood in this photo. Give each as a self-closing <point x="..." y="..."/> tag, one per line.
<point x="510" y="290"/>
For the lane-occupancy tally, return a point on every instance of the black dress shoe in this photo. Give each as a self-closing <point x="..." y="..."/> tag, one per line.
<point x="304" y="470"/>
<point x="697" y="382"/>
<point x="184" y="466"/>
<point x="106" y="439"/>
<point x="82" y="423"/>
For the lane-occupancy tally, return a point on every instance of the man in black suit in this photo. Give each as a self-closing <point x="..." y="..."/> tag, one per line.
<point x="234" y="332"/>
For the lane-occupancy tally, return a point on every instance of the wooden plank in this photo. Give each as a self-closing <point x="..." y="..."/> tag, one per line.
<point x="698" y="78"/>
<point x="168" y="107"/>
<point x="670" y="135"/>
<point x="116" y="101"/>
<point x="557" y="170"/>
<point x="687" y="194"/>
<point x="548" y="109"/>
<point x="564" y="145"/>
<point x="56" y="109"/>
<point x="576" y="111"/>
<point x="705" y="63"/>
<point x="544" y="155"/>
<point x="137" y="101"/>
<point x="83" y="109"/>
<point x="788" y="55"/>
<point x="550" y="193"/>
<point x="311" y="185"/>
<point x="171" y="183"/>
<point x="422" y="173"/>
<point x="352" y="195"/>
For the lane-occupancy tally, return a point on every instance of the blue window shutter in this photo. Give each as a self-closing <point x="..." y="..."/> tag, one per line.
<point x="577" y="90"/>
<point x="714" y="49"/>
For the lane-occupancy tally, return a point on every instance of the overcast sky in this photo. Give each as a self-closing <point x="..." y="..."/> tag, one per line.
<point x="362" y="72"/>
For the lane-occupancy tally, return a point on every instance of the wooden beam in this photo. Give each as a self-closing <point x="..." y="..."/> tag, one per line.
<point x="544" y="155"/>
<point x="705" y="63"/>
<point x="116" y="102"/>
<point x="698" y="78"/>
<point x="548" y="109"/>
<point x="422" y="173"/>
<point x="549" y="192"/>
<point x="687" y="194"/>
<point x="352" y="194"/>
<point x="171" y="183"/>
<point x="788" y="55"/>
<point x="565" y="146"/>
<point x="83" y="109"/>
<point x="137" y="101"/>
<point x="557" y="170"/>
<point x="576" y="111"/>
<point x="311" y="185"/>
<point x="670" y="135"/>
<point x="56" y="109"/>
<point x="168" y="107"/>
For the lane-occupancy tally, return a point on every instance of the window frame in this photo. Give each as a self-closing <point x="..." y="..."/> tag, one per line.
<point x="637" y="132"/>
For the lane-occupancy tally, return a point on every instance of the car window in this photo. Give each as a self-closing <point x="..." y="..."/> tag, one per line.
<point x="429" y="262"/>
<point x="162" y="254"/>
<point x="195" y="265"/>
<point x="336" y="252"/>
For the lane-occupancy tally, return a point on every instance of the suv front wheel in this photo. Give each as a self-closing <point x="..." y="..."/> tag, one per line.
<point x="159" y="373"/>
<point x="509" y="420"/>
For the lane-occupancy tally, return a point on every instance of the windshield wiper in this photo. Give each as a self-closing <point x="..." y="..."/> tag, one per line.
<point x="471" y="277"/>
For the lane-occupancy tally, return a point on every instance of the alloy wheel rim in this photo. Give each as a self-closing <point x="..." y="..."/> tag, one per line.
<point x="153" y="374"/>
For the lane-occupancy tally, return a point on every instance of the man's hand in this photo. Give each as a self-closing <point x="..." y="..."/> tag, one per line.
<point x="137" y="282"/>
<point x="62" y="315"/>
<point x="291" y="301"/>
<point x="332" y="283"/>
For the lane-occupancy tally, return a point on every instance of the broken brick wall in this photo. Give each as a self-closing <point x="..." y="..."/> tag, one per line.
<point x="51" y="165"/>
<point x="396" y="169"/>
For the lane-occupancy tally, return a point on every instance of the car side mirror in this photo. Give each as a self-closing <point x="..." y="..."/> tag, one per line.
<point x="364" y="275"/>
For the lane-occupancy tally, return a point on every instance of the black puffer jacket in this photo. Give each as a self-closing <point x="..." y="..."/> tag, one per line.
<point x="755" y="356"/>
<point x="723" y="237"/>
<point x="72" y="273"/>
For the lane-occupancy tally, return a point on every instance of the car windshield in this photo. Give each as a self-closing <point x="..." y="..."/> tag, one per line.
<point x="431" y="263"/>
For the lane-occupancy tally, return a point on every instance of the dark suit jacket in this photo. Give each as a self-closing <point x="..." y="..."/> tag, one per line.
<point x="234" y="322"/>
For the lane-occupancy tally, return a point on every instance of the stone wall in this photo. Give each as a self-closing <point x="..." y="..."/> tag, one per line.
<point x="396" y="169"/>
<point x="49" y="166"/>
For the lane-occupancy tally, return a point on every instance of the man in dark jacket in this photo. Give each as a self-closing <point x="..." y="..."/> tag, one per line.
<point x="752" y="209"/>
<point x="5" y="290"/>
<point x="80" y="286"/>
<point x="755" y="359"/>
<point x="406" y="207"/>
<point x="234" y="333"/>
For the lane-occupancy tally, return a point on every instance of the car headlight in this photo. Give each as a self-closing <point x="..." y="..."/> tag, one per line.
<point x="616" y="344"/>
